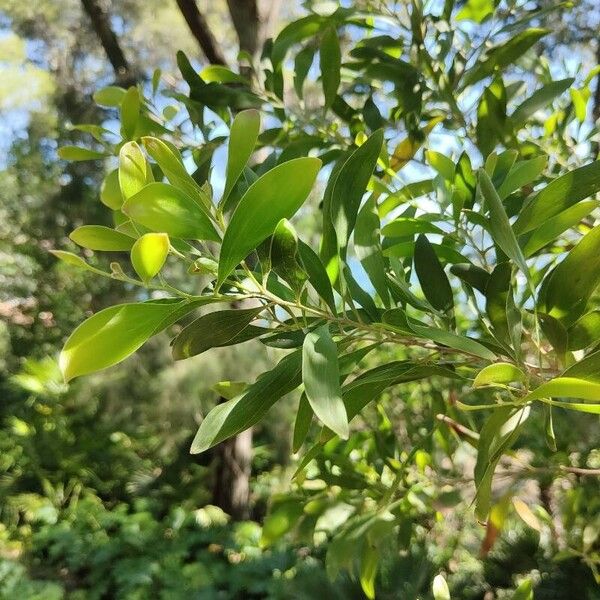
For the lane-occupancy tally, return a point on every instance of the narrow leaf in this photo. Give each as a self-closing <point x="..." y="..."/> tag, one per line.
<point x="321" y="378"/>
<point x="278" y="194"/>
<point x="98" y="237"/>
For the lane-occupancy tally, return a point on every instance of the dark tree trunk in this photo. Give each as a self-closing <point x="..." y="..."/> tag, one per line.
<point x="101" y="23"/>
<point x="232" y="461"/>
<point x="596" y="107"/>
<point x="200" y="30"/>
<point x="253" y="21"/>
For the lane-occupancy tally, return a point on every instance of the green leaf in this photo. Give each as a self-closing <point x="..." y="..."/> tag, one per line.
<point x="110" y="96"/>
<point x="97" y="237"/>
<point x="550" y="230"/>
<point x="130" y="112"/>
<point x="301" y="423"/>
<point x="217" y="329"/>
<point x="293" y="33"/>
<point x="76" y="153"/>
<point x="568" y="289"/>
<point x="111" y="335"/>
<point x="523" y="173"/>
<point x="587" y="368"/>
<point x="278" y="194"/>
<point x="478" y="11"/>
<point x="76" y="261"/>
<point x="330" y="63"/>
<point x="369" y="563"/>
<point x="472" y="275"/>
<point x="221" y="74"/>
<point x="133" y="169"/>
<point x="321" y="378"/>
<point x="452" y="340"/>
<point x="284" y="256"/>
<point x="164" y="208"/>
<point x="280" y="520"/>
<point x="502" y="55"/>
<point x="501" y="373"/>
<point x="110" y="191"/>
<point x="302" y="64"/>
<point x="367" y="246"/>
<point x="524" y="591"/>
<point x="566" y="387"/>
<point x="585" y="332"/>
<point x="539" y="99"/>
<point x="169" y="160"/>
<point x="229" y="418"/>
<point x="408" y="192"/>
<point x="505" y="320"/>
<point x="242" y="140"/>
<point x="347" y="192"/>
<point x="499" y="224"/>
<point x="558" y="195"/>
<point x="498" y="434"/>
<point x="149" y="253"/>
<point x="403" y="226"/>
<point x="370" y="384"/>
<point x="317" y="275"/>
<point x="441" y="163"/>
<point x="433" y="279"/>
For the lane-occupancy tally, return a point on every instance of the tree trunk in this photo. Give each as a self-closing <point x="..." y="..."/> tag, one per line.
<point x="232" y="461"/>
<point x="253" y="21"/>
<point x="201" y="31"/>
<point x="108" y="38"/>
<point x="596" y="107"/>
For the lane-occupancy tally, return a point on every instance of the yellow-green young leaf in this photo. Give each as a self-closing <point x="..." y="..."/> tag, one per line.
<point x="566" y="291"/>
<point x="278" y="194"/>
<point x="98" y="237"/>
<point x="580" y="101"/>
<point x="500" y="228"/>
<point x="149" y="253"/>
<point x="524" y="591"/>
<point x="229" y="418"/>
<point x="478" y="11"/>
<point x="111" y="335"/>
<point x="130" y="112"/>
<point x="526" y="514"/>
<point x="133" y="169"/>
<point x="109" y="96"/>
<point x="440" y="588"/>
<point x="558" y="195"/>
<point x="169" y="160"/>
<point x="368" y="569"/>
<point x="441" y="163"/>
<point x="330" y="62"/>
<point x="164" y="208"/>
<point x="551" y="229"/>
<point x="76" y="153"/>
<point x="229" y="389"/>
<point x="498" y="373"/>
<point x="217" y="329"/>
<point x="76" y="261"/>
<point x="221" y="74"/>
<point x="110" y="191"/>
<point x="566" y="387"/>
<point x="432" y="277"/>
<point x="321" y="378"/>
<point x="242" y="140"/>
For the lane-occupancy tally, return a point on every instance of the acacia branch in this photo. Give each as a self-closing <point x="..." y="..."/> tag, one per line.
<point x="201" y="31"/>
<point x="108" y="38"/>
